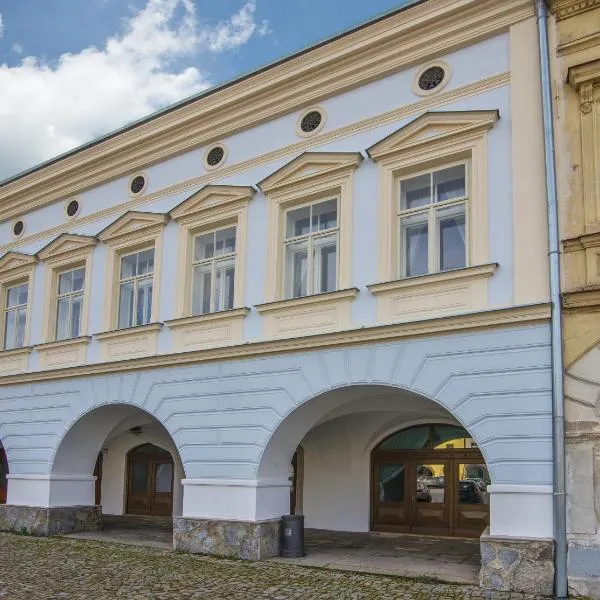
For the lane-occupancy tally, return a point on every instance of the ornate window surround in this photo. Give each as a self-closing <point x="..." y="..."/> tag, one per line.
<point x="133" y="231"/>
<point x="212" y="207"/>
<point x="67" y="251"/>
<point x="431" y="141"/>
<point x="16" y="268"/>
<point x="309" y="177"/>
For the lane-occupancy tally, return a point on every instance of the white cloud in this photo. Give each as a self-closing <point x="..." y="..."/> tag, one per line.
<point x="1" y="26"/>
<point x="17" y="48"/>
<point x="49" y="108"/>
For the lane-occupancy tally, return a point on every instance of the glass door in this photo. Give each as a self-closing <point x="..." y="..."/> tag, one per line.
<point x="138" y="496"/>
<point x="391" y="497"/>
<point x="472" y="510"/>
<point x="431" y="500"/>
<point x="162" y="488"/>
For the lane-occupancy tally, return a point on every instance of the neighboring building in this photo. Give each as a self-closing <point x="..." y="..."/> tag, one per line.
<point x="577" y="132"/>
<point x="337" y="263"/>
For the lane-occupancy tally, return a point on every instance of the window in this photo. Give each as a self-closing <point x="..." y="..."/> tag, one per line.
<point x="69" y="303"/>
<point x="213" y="279"/>
<point x="311" y="249"/>
<point x="136" y="277"/>
<point x="15" y="316"/>
<point x="432" y="221"/>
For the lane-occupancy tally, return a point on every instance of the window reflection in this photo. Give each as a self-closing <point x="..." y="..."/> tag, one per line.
<point x="391" y="483"/>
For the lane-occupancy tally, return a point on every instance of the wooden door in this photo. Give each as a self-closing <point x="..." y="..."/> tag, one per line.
<point x="431" y="496"/>
<point x="149" y="481"/>
<point x="471" y="501"/>
<point x="3" y="474"/>
<point x="391" y="494"/>
<point x="98" y="482"/>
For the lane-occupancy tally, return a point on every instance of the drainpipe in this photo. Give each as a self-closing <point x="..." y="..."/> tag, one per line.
<point x="558" y="415"/>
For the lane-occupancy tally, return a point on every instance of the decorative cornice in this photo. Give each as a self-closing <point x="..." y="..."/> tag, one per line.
<point x="312" y="300"/>
<point x="564" y="9"/>
<point x="582" y="300"/>
<point x="519" y="315"/>
<point x="211" y="197"/>
<point x="472" y="89"/>
<point x="585" y="73"/>
<point x="207" y="317"/>
<point x="414" y="35"/>
<point x="131" y="224"/>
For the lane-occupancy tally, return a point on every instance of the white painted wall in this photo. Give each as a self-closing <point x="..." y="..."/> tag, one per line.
<point x="114" y="467"/>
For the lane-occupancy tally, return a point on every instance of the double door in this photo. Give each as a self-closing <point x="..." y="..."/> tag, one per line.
<point x="150" y="484"/>
<point x="437" y="493"/>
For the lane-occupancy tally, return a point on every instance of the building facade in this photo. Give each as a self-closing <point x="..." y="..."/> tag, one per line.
<point x="320" y="288"/>
<point x="577" y="132"/>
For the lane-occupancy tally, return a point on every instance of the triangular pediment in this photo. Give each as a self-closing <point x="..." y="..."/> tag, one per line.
<point x="432" y="127"/>
<point x="132" y="222"/>
<point x="211" y="196"/>
<point x="12" y="261"/>
<point x="308" y="166"/>
<point x="67" y="243"/>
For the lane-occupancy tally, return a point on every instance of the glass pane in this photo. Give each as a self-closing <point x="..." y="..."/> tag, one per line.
<point x="414" y="245"/>
<point x="163" y="477"/>
<point x="204" y="246"/>
<point x="479" y="476"/>
<point x="449" y="183"/>
<point x="23" y="293"/>
<point x="296" y="269"/>
<point x="451" y="232"/>
<point x="145" y="262"/>
<point x="391" y="483"/>
<point x="128" y="266"/>
<point x="324" y="263"/>
<point x="224" y="282"/>
<point x="12" y="296"/>
<point x="21" y="323"/>
<point x="126" y="304"/>
<point x="201" y="289"/>
<point x="324" y="215"/>
<point x="64" y="282"/>
<point x="144" y="302"/>
<point x="225" y="241"/>
<point x="78" y="279"/>
<point x="297" y="222"/>
<point x="10" y="327"/>
<point x="431" y="480"/>
<point x="62" y="319"/>
<point x="415" y="192"/>
<point x="450" y="436"/>
<point x="139" y="476"/>
<point x="76" y="309"/>
<point x="415" y="438"/>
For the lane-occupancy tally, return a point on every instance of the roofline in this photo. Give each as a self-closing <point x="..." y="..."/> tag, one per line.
<point x="210" y="92"/>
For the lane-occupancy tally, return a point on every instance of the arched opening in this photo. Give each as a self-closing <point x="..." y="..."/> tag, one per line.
<point x="149" y="481"/>
<point x="3" y="474"/>
<point x="429" y="479"/>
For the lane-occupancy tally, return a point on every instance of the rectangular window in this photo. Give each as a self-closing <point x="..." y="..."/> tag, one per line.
<point x="136" y="282"/>
<point x="432" y="221"/>
<point x="15" y="316"/>
<point x="69" y="304"/>
<point x="213" y="275"/>
<point x="311" y="249"/>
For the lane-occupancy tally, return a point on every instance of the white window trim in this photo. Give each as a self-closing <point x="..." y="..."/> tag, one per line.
<point x="433" y="253"/>
<point x="309" y="237"/>
<point x="17" y="308"/>
<point x="135" y="279"/>
<point x="70" y="295"/>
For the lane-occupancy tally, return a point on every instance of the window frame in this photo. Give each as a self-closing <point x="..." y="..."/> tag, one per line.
<point x="17" y="308"/>
<point x="309" y="237"/>
<point x="70" y="296"/>
<point x="136" y="280"/>
<point x="432" y="208"/>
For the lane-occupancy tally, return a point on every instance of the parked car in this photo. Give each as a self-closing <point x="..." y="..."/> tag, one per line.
<point x="469" y="492"/>
<point x="480" y="482"/>
<point x="423" y="493"/>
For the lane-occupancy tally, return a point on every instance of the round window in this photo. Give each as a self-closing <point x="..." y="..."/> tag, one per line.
<point x="311" y="121"/>
<point x="215" y="156"/>
<point x="72" y="208"/>
<point x="137" y="184"/>
<point x="431" y="78"/>
<point x="18" y="228"/>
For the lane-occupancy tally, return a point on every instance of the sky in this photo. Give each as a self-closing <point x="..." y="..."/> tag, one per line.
<point x="74" y="70"/>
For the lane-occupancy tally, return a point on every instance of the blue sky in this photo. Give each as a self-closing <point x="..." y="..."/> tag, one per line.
<point x="72" y="70"/>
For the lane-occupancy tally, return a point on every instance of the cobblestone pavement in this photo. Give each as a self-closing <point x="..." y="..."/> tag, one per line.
<point x="69" y="569"/>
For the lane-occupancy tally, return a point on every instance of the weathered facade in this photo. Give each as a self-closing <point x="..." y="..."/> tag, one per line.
<point x="577" y="132"/>
<point x="338" y="263"/>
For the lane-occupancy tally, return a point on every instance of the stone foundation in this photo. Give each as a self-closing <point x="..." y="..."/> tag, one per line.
<point x="584" y="569"/>
<point x="37" y="520"/>
<point x="517" y="564"/>
<point x="233" y="539"/>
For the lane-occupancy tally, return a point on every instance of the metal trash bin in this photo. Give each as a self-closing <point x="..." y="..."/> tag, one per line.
<point x="292" y="536"/>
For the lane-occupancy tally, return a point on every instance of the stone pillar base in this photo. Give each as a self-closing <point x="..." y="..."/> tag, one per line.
<point x="249" y="540"/>
<point x="511" y="564"/>
<point x="46" y="521"/>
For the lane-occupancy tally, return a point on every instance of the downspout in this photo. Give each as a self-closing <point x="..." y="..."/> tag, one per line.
<point x="558" y="414"/>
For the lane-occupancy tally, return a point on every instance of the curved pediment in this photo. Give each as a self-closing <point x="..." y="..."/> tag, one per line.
<point x="433" y="127"/>
<point x="309" y="166"/>
<point x="210" y="197"/>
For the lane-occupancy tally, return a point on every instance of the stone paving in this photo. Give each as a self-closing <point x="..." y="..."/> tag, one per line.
<point x="70" y="569"/>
